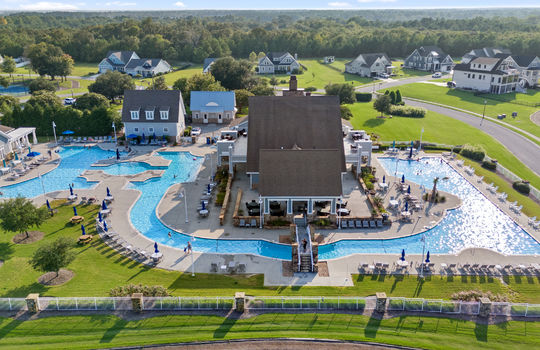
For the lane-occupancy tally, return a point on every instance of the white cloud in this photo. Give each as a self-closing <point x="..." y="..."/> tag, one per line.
<point x="339" y="4"/>
<point x="368" y="1"/>
<point x="48" y="6"/>
<point x="120" y="3"/>
<point x="179" y="4"/>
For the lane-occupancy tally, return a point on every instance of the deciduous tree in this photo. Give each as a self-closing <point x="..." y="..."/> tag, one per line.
<point x="91" y="101"/>
<point x="51" y="257"/>
<point x="112" y="85"/>
<point x="19" y="215"/>
<point x="382" y="104"/>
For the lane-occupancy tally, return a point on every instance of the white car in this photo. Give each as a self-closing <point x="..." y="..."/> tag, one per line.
<point x="196" y="131"/>
<point x="384" y="76"/>
<point x="437" y="75"/>
<point x="69" y="101"/>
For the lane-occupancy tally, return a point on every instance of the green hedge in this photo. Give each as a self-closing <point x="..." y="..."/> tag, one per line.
<point x="363" y="97"/>
<point x="489" y="165"/>
<point x="522" y="187"/>
<point x="407" y="111"/>
<point x="473" y="152"/>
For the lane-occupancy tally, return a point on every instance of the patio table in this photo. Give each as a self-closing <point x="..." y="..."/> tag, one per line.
<point x="5" y="170"/>
<point x="393" y="203"/>
<point x="383" y="185"/>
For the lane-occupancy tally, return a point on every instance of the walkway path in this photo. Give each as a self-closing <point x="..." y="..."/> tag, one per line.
<point x="524" y="149"/>
<point x="535" y="118"/>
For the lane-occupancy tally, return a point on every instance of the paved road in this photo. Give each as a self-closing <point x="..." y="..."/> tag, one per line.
<point x="390" y="83"/>
<point x="523" y="148"/>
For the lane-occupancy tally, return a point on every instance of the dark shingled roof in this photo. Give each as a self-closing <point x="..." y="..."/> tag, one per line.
<point x="467" y="67"/>
<point x="157" y="100"/>
<point x="370" y="58"/>
<point x="523" y="60"/>
<point x="281" y="122"/>
<point x="300" y="173"/>
<point x="152" y="62"/>
<point x="207" y="62"/>
<point x="124" y="56"/>
<point x="425" y="50"/>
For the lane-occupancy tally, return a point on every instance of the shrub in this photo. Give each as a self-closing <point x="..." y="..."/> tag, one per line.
<point x="187" y="131"/>
<point x="346" y="112"/>
<point x="407" y="111"/>
<point x="489" y="165"/>
<point x="322" y="222"/>
<point x="147" y="291"/>
<point x="369" y="185"/>
<point x="392" y="97"/>
<point x="283" y="81"/>
<point x="278" y="222"/>
<point x="475" y="295"/>
<point x="220" y="197"/>
<point x="41" y="84"/>
<point x="522" y="187"/>
<point x="363" y="97"/>
<point x="310" y="89"/>
<point x="473" y="152"/>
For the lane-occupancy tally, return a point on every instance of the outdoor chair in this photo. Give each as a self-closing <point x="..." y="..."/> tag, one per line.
<point x="358" y="223"/>
<point x="242" y="223"/>
<point x="365" y="224"/>
<point x="253" y="223"/>
<point x="372" y="224"/>
<point x="344" y="224"/>
<point x="379" y="223"/>
<point x="351" y="223"/>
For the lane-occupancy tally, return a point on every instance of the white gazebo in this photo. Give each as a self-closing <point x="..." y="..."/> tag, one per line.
<point x="15" y="140"/>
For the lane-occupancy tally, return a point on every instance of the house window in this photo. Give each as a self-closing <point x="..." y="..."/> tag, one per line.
<point x="469" y="75"/>
<point x="479" y="76"/>
<point x="165" y="130"/>
<point x="196" y="115"/>
<point x="151" y="129"/>
<point x="473" y="76"/>
<point x="134" y="115"/>
<point x="150" y="115"/>
<point x="164" y="115"/>
<point x="484" y="66"/>
<point x="228" y="116"/>
<point x="136" y="129"/>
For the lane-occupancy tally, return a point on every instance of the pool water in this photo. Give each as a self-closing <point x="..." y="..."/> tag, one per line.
<point x="476" y="223"/>
<point x="13" y="89"/>
<point x="127" y="168"/>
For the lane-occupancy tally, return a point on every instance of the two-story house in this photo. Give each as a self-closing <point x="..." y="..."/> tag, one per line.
<point x="528" y="67"/>
<point x="278" y="62"/>
<point x="429" y="58"/>
<point x="159" y="112"/>
<point x="212" y="106"/>
<point x="129" y="62"/>
<point x="370" y="65"/>
<point x="485" y="74"/>
<point x="207" y="64"/>
<point x="484" y="52"/>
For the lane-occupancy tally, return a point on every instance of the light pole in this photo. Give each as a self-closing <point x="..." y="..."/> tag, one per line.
<point x="114" y="129"/>
<point x="54" y="132"/>
<point x="484" y="112"/>
<point x="339" y="213"/>
<point x="192" y="259"/>
<point x="420" y="145"/>
<point x="260" y="212"/>
<point x="183" y="195"/>
<point x="423" y="250"/>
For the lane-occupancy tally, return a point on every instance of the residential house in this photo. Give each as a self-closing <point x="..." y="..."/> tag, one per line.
<point x="490" y="52"/>
<point x="278" y="62"/>
<point x="429" y="58"/>
<point x="129" y="62"/>
<point x="159" y="112"/>
<point x="370" y="65"/>
<point x="485" y="74"/>
<point x="15" y="140"/>
<point x="528" y="67"/>
<point x="329" y="59"/>
<point x="212" y="106"/>
<point x="207" y="64"/>
<point x="1" y="59"/>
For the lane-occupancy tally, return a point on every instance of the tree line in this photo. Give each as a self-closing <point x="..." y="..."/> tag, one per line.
<point x="194" y="38"/>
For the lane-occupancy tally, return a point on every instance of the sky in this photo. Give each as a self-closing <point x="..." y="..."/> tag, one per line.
<point x="140" y="5"/>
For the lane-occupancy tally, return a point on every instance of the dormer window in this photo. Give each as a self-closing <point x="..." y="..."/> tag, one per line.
<point x="134" y="115"/>
<point x="164" y="115"/>
<point x="149" y="114"/>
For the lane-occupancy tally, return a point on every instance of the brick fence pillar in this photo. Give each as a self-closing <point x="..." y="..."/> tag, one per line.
<point x="137" y="303"/>
<point x="485" y="307"/>
<point x="240" y="301"/>
<point x="380" y="306"/>
<point x="32" y="302"/>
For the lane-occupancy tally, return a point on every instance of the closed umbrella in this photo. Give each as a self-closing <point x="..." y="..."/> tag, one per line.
<point x="427" y="257"/>
<point x="105" y="228"/>
<point x="48" y="204"/>
<point x="409" y="189"/>
<point x="403" y="178"/>
<point x="33" y="154"/>
<point x="71" y="190"/>
<point x="208" y="188"/>
<point x="142" y="138"/>
<point x="154" y="136"/>
<point x="100" y="218"/>
<point x="103" y="205"/>
<point x="383" y="179"/>
<point x="4" y="161"/>
<point x="203" y="206"/>
<point x="156" y="250"/>
<point x="406" y="206"/>
<point x="75" y="211"/>
<point x="83" y="230"/>
<point x="410" y="152"/>
<point x="16" y="156"/>
<point x="68" y="132"/>
<point x="108" y="192"/>
<point x="402" y="255"/>
<point x="394" y="144"/>
<point x="117" y="154"/>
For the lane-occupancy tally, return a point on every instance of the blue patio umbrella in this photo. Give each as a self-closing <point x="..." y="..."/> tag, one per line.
<point x="16" y="156"/>
<point x="154" y="135"/>
<point x="105" y="228"/>
<point x="203" y="206"/>
<point x="142" y="137"/>
<point x="33" y="154"/>
<point x="108" y="192"/>
<point x="156" y="250"/>
<point x="48" y="204"/>
<point x="75" y="211"/>
<point x="100" y="218"/>
<point x="71" y="190"/>
<point x="4" y="161"/>
<point x="402" y="255"/>
<point x="117" y="154"/>
<point x="410" y="152"/>
<point x="208" y="188"/>
<point x="394" y="144"/>
<point x="83" y="230"/>
<point x="103" y="205"/>
<point x="427" y="257"/>
<point x="29" y="149"/>
<point x="406" y="206"/>
<point x="68" y="132"/>
<point x="383" y="179"/>
<point x="403" y="178"/>
<point x="132" y="136"/>
<point x="409" y="189"/>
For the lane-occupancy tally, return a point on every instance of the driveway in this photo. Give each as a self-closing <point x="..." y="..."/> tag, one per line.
<point x="524" y="149"/>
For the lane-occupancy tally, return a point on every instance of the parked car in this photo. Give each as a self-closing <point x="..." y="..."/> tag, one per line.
<point x="451" y="84"/>
<point x="69" y="101"/>
<point x="437" y="75"/>
<point x="196" y="131"/>
<point x="384" y="76"/>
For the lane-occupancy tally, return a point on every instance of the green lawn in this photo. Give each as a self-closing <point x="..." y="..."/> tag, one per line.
<point x="79" y="69"/>
<point x="104" y="331"/>
<point x="319" y="75"/>
<point x="440" y="129"/>
<point x="83" y="86"/>
<point x="466" y="100"/>
<point x="170" y="78"/>
<point x="98" y="268"/>
<point x="401" y="72"/>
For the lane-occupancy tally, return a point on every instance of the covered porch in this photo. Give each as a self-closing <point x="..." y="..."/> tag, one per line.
<point x="16" y="140"/>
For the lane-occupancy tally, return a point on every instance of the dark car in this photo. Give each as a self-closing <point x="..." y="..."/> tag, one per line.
<point x="451" y="84"/>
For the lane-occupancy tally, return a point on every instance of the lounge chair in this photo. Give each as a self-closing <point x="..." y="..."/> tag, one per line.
<point x="536" y="225"/>
<point x="532" y="220"/>
<point x="241" y="268"/>
<point x="480" y="179"/>
<point x="372" y="224"/>
<point x="84" y="140"/>
<point x="379" y="223"/>
<point x="358" y="224"/>
<point x="351" y="223"/>
<point x="365" y="224"/>
<point x="344" y="224"/>
<point x="242" y="223"/>
<point x="253" y="223"/>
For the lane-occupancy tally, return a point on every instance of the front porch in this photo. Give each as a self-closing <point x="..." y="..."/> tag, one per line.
<point x="16" y="140"/>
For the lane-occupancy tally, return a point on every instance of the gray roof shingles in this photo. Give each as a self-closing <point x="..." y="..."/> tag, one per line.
<point x="158" y="100"/>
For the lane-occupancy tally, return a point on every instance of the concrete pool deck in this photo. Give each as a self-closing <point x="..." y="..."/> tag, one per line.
<point x="171" y="210"/>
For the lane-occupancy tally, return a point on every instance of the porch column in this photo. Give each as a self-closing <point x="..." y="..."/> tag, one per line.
<point x="266" y="206"/>
<point x="333" y="206"/>
<point x="230" y="160"/>
<point x="310" y="206"/>
<point x="34" y="138"/>
<point x="289" y="206"/>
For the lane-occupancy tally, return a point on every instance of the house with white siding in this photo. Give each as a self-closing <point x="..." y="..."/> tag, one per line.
<point x="429" y="58"/>
<point x="278" y="62"/>
<point x="212" y="106"/>
<point x="528" y="67"/>
<point x="490" y="52"/>
<point x="207" y="64"/>
<point x="159" y="112"/>
<point x="370" y="65"/>
<point x="484" y="74"/>
<point x="129" y="62"/>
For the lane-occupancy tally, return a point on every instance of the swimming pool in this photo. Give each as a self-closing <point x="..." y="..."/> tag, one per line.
<point x="476" y="223"/>
<point x="13" y="89"/>
<point x="127" y="168"/>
